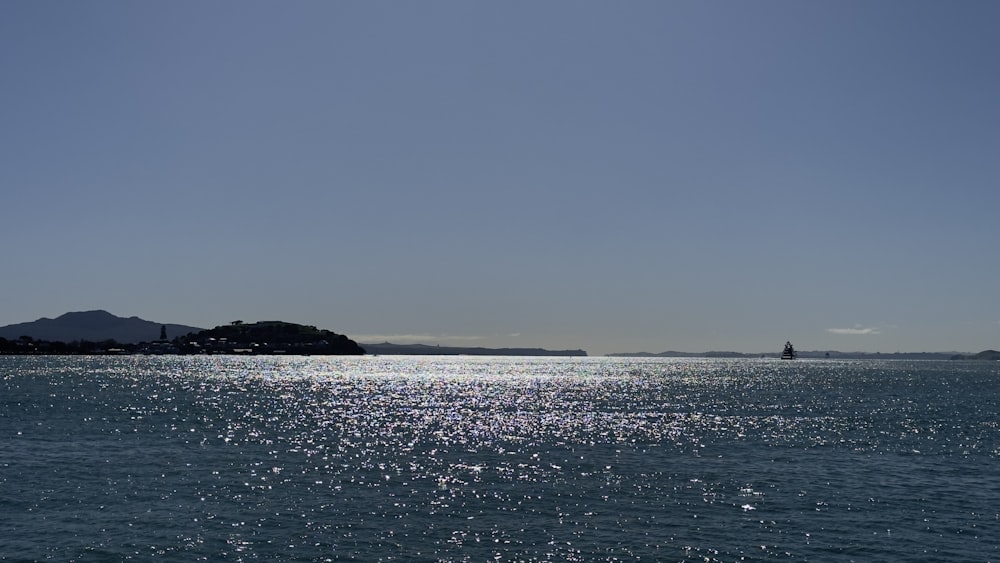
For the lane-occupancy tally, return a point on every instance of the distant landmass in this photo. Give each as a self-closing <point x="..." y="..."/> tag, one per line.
<point x="100" y="332"/>
<point x="94" y="326"/>
<point x="822" y="354"/>
<point x="388" y="349"/>
<point x="991" y="355"/>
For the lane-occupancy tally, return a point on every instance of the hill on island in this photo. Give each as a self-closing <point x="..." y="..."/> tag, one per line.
<point x="94" y="326"/>
<point x="267" y="337"/>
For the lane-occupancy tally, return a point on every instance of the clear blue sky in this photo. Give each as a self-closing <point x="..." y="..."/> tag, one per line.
<point x="613" y="176"/>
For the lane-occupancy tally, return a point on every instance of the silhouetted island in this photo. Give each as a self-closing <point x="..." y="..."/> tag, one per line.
<point x="266" y="337"/>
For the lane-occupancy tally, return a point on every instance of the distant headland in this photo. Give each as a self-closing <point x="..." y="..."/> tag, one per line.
<point x="991" y="355"/>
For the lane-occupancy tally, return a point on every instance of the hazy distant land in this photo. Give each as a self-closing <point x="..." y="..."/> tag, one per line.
<point x="387" y="348"/>
<point x="824" y="354"/>
<point x="95" y="332"/>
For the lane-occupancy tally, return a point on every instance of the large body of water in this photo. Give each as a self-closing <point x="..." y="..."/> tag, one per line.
<point x="497" y="459"/>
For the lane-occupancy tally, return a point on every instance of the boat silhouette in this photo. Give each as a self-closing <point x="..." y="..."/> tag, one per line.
<point x="789" y="352"/>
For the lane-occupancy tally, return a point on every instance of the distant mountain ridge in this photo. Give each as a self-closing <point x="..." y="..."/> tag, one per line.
<point x="94" y="326"/>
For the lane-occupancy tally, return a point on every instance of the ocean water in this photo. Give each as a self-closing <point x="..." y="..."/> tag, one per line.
<point x="497" y="459"/>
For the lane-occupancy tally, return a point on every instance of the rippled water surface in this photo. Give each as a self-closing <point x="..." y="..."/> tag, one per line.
<point x="497" y="459"/>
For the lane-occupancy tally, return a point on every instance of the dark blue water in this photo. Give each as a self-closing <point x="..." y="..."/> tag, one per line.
<point x="497" y="459"/>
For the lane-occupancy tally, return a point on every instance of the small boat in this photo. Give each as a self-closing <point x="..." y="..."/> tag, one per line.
<point x="789" y="352"/>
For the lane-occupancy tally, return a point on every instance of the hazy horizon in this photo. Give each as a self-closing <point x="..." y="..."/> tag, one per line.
<point x="646" y="176"/>
<point x="422" y="340"/>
